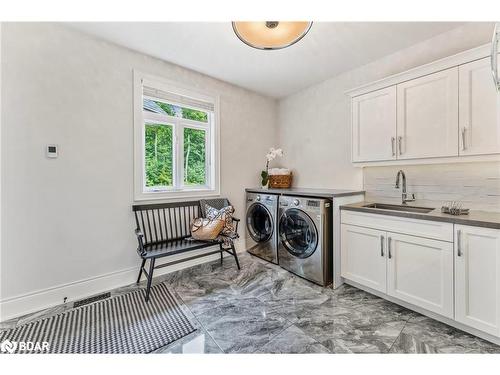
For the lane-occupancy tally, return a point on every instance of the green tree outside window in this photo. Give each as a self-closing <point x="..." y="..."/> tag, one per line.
<point x="194" y="157"/>
<point x="159" y="155"/>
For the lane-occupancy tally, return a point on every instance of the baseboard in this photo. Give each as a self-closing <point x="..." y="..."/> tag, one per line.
<point x="16" y="306"/>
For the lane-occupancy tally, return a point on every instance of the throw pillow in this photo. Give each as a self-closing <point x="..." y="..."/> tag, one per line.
<point x="225" y="213"/>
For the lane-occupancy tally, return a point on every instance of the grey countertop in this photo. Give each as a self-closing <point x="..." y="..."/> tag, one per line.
<point x="307" y="192"/>
<point x="475" y="218"/>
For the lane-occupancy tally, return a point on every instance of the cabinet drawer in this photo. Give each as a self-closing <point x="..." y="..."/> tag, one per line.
<point x="414" y="227"/>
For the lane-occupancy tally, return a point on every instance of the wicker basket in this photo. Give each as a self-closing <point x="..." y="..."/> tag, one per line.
<point x="280" y="181"/>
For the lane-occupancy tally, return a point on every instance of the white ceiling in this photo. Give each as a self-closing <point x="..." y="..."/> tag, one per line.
<point x="329" y="49"/>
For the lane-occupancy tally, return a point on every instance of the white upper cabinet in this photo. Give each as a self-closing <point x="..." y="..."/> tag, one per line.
<point x="438" y="112"/>
<point x="477" y="278"/>
<point x="427" y="116"/>
<point x="374" y="125"/>
<point x="479" y="110"/>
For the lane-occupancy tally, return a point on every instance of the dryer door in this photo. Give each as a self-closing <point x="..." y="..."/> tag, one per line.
<point x="259" y="223"/>
<point x="298" y="234"/>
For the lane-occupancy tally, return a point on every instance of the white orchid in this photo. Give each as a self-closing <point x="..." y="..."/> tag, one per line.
<point x="270" y="156"/>
<point x="273" y="153"/>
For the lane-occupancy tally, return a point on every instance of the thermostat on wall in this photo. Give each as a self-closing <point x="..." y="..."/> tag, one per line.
<point x="52" y="151"/>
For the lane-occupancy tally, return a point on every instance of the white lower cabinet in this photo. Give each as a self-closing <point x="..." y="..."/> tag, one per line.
<point x="363" y="256"/>
<point x="420" y="272"/>
<point x="457" y="277"/>
<point x="477" y="278"/>
<point x="413" y="269"/>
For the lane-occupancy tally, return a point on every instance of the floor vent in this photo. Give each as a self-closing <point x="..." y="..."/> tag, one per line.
<point x="86" y="301"/>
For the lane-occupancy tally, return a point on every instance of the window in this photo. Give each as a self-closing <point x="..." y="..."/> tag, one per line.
<point x="176" y="140"/>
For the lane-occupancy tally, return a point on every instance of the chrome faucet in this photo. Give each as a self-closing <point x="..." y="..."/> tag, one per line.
<point x="405" y="197"/>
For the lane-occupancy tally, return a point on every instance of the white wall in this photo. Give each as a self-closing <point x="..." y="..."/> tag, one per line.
<point x="67" y="222"/>
<point x="314" y="124"/>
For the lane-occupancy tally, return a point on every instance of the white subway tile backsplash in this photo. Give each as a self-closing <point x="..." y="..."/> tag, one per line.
<point x="476" y="185"/>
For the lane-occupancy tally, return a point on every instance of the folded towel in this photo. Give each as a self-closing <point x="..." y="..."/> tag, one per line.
<point x="279" y="171"/>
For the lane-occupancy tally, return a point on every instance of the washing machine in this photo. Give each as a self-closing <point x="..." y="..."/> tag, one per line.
<point x="305" y="244"/>
<point x="261" y="217"/>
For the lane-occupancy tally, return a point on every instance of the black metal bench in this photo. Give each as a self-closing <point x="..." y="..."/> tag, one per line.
<point x="164" y="229"/>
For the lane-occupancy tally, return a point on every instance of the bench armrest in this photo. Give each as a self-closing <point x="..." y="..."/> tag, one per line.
<point x="140" y="240"/>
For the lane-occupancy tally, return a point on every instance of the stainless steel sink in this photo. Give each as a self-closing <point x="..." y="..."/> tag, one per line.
<point x="395" y="207"/>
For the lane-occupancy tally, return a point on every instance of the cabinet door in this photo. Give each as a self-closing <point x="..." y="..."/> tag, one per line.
<point x="477" y="278"/>
<point x="420" y="271"/>
<point x="363" y="257"/>
<point x="374" y="125"/>
<point x="427" y="124"/>
<point x="479" y="110"/>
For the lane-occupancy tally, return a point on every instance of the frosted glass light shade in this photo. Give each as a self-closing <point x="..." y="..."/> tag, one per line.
<point x="270" y="34"/>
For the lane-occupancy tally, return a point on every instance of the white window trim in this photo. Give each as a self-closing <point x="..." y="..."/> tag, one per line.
<point x="213" y="174"/>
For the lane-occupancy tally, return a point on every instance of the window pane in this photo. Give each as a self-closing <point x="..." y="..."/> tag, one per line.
<point x="195" y="115"/>
<point x="159" y="155"/>
<point x="194" y="157"/>
<point x="160" y="107"/>
<point x="174" y="110"/>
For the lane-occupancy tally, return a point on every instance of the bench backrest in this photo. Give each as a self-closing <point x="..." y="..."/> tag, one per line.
<point x="217" y="203"/>
<point x="166" y="221"/>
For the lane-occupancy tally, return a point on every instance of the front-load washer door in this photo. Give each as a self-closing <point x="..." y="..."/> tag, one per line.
<point x="298" y="234"/>
<point x="259" y="223"/>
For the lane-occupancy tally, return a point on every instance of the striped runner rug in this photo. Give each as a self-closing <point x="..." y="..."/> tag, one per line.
<point x="121" y="324"/>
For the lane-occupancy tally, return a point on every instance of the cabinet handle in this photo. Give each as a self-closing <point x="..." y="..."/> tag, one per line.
<point x="381" y="246"/>
<point x="400" y="140"/>
<point x="389" y="252"/>
<point x="464" y="146"/>
<point x="459" y="243"/>
<point x="393" y="146"/>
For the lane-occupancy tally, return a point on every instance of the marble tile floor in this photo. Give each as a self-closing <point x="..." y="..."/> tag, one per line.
<point x="265" y="309"/>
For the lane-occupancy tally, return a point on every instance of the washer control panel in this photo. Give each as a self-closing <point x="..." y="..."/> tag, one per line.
<point x="310" y="205"/>
<point x="292" y="202"/>
<point x="268" y="200"/>
<point x="284" y="202"/>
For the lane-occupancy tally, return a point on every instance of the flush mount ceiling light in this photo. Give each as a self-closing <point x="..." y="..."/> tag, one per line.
<point x="270" y="34"/>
